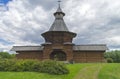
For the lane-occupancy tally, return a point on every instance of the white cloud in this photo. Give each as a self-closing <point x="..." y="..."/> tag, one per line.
<point x="95" y="21"/>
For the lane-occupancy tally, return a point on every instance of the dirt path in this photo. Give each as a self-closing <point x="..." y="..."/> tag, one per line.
<point x="90" y="72"/>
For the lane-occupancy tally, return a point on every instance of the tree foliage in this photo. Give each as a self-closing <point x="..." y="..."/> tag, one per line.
<point x="114" y="55"/>
<point x="6" y="55"/>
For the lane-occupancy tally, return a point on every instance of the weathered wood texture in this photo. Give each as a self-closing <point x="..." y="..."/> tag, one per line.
<point x="88" y="56"/>
<point x="29" y="55"/>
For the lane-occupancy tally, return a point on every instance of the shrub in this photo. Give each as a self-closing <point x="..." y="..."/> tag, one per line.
<point x="17" y="66"/>
<point x="6" y="65"/>
<point x="54" y="67"/>
<point x="49" y="66"/>
<point x="109" y="60"/>
<point x="25" y="65"/>
<point x="28" y="65"/>
<point x="115" y="55"/>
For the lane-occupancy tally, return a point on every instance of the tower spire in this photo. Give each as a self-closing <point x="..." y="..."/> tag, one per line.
<point x="59" y="24"/>
<point x="59" y="1"/>
<point x="59" y="8"/>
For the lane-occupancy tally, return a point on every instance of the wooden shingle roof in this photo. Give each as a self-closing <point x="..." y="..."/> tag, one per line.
<point x="27" y="48"/>
<point x="95" y="47"/>
<point x="59" y="24"/>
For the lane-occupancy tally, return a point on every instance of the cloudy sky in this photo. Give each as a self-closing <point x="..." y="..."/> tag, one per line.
<point x="94" y="21"/>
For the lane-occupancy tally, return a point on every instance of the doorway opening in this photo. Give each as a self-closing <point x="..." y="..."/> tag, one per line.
<point x="58" y="55"/>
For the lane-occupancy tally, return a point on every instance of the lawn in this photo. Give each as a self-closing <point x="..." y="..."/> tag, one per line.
<point x="77" y="71"/>
<point x="110" y="71"/>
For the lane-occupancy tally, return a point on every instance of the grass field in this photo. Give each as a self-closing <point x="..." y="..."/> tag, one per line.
<point x="77" y="71"/>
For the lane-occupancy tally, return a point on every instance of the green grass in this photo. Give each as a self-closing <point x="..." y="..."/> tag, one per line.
<point x="110" y="71"/>
<point x="89" y="72"/>
<point x="77" y="71"/>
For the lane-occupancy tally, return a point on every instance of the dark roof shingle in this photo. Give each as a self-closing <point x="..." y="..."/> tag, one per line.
<point x="96" y="47"/>
<point x="27" y="48"/>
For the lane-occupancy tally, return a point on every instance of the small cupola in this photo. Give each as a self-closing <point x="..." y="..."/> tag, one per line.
<point x="59" y="24"/>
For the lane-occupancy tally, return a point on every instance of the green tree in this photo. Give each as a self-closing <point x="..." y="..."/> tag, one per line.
<point x="115" y="55"/>
<point x="6" y="55"/>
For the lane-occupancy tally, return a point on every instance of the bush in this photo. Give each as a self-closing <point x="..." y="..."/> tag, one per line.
<point x="49" y="66"/>
<point x="54" y="67"/>
<point x="6" y="65"/>
<point x="115" y="55"/>
<point x="28" y="65"/>
<point x="109" y="60"/>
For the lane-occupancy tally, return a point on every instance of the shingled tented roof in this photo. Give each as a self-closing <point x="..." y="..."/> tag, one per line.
<point x="59" y="24"/>
<point x="27" y="48"/>
<point x="97" y="47"/>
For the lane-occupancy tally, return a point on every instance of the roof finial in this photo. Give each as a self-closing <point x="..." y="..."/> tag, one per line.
<point x="59" y="10"/>
<point x="59" y="2"/>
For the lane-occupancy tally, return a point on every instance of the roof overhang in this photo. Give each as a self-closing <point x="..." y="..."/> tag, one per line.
<point x="27" y="48"/>
<point x="48" y="32"/>
<point x="95" y="47"/>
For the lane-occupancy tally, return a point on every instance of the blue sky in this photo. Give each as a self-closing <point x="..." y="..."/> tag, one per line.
<point x="5" y="1"/>
<point x="94" y="21"/>
<point x="4" y="6"/>
<point x="4" y="42"/>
